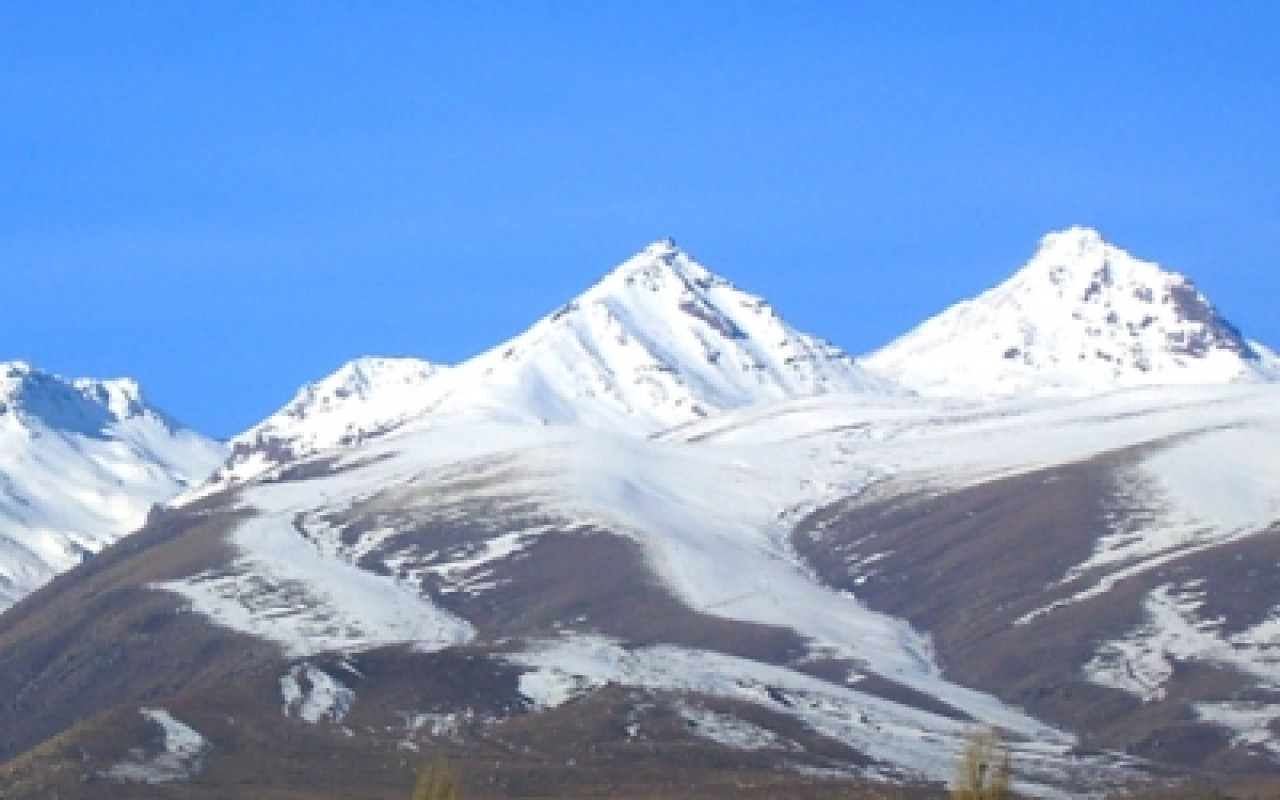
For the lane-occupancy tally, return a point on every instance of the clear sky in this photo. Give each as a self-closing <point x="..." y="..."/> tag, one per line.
<point x="228" y="199"/>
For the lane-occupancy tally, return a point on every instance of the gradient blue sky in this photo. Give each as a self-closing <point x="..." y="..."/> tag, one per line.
<point x="228" y="199"/>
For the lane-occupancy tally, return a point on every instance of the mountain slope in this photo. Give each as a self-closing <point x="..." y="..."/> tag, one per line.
<point x="572" y="565"/>
<point x="1105" y="563"/>
<point x="660" y="341"/>
<point x="81" y="464"/>
<point x="1083" y="316"/>
<point x="843" y="582"/>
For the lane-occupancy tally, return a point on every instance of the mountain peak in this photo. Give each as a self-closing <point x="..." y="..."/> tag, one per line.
<point x="1078" y="239"/>
<point x="84" y="405"/>
<point x="660" y="341"/>
<point x="122" y="397"/>
<point x="357" y="382"/>
<point x="81" y="463"/>
<point x="666" y="247"/>
<point x="661" y="265"/>
<point x="1082" y="316"/>
<point x="1080" y="259"/>
<point x="362" y="398"/>
<point x="13" y="374"/>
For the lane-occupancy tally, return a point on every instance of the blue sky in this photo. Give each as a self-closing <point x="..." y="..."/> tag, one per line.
<point x="225" y="200"/>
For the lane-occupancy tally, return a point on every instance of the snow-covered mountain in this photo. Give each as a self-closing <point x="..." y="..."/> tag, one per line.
<point x="1082" y="317"/>
<point x="664" y="533"/>
<point x="360" y="400"/>
<point x="81" y="463"/>
<point x="660" y="341"/>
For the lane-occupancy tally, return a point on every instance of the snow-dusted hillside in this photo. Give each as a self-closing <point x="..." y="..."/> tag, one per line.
<point x="660" y="341"/>
<point x="1181" y="549"/>
<point x="344" y="560"/>
<point x="1083" y="316"/>
<point x="428" y="531"/>
<point x="81" y="463"/>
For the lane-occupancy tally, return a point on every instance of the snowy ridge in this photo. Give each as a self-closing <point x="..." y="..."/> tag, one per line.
<point x="660" y="341"/>
<point x="1082" y="317"/>
<point x="361" y="399"/>
<point x="81" y="464"/>
<point x="83" y="406"/>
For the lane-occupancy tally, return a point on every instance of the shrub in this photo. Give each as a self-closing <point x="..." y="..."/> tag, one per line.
<point x="436" y="781"/>
<point x="983" y="772"/>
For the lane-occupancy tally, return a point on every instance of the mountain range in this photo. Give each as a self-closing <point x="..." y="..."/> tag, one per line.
<point x="665" y="543"/>
<point x="659" y="342"/>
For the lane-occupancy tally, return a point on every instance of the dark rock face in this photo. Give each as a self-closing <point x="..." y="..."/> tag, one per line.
<point x="713" y="319"/>
<point x="1215" y="333"/>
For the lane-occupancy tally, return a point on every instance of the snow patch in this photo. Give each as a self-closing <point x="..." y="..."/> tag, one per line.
<point x="180" y="758"/>
<point x="1253" y="723"/>
<point x="730" y="731"/>
<point x="284" y="590"/>
<point x="910" y="743"/>
<point x="312" y="695"/>
<point x="1142" y="662"/>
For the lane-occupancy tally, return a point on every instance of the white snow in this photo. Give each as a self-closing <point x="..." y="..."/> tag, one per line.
<point x="1251" y="721"/>
<point x="731" y="731"/>
<point x="435" y="724"/>
<point x="81" y="464"/>
<point x="1082" y="317"/>
<point x="288" y="587"/>
<point x="468" y="573"/>
<point x="313" y="695"/>
<point x="1143" y="661"/>
<point x="362" y="399"/>
<point x="180" y="758"/>
<point x="284" y="591"/>
<point x="909" y="743"/>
